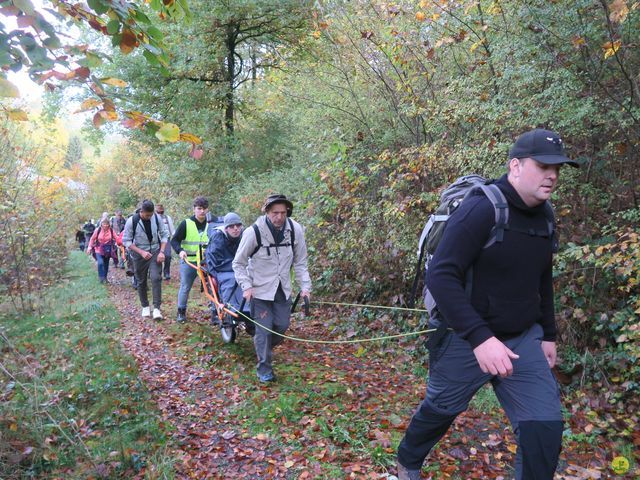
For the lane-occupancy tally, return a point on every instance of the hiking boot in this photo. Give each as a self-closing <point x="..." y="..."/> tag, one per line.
<point x="405" y="474"/>
<point x="156" y="314"/>
<point x="146" y="312"/>
<point x="215" y="321"/>
<point x="182" y="315"/>
<point x="266" y="378"/>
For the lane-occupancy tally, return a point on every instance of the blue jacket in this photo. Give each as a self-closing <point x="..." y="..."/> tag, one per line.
<point x="220" y="252"/>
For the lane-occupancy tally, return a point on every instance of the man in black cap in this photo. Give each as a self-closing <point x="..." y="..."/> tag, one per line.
<point x="503" y="330"/>
<point x="275" y="244"/>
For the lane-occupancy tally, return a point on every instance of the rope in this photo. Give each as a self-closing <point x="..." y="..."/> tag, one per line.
<point x="370" y="306"/>
<point x="333" y="342"/>
<point x="308" y="340"/>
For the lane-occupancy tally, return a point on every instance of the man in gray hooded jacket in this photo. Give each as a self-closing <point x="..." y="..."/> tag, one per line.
<point x="262" y="267"/>
<point x="146" y="237"/>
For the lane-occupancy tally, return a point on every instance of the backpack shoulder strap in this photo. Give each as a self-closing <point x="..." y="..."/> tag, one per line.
<point x="501" y="209"/>
<point x="135" y="221"/>
<point x="256" y="230"/>
<point x="551" y="226"/>
<point x="293" y="235"/>
<point x="157" y="227"/>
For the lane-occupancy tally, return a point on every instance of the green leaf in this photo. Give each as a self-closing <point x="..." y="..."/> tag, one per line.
<point x="155" y="33"/>
<point x="152" y="49"/>
<point x="113" y="27"/>
<point x="168" y="132"/>
<point x="25" y="5"/>
<point x="52" y="42"/>
<point x="8" y="89"/>
<point x="141" y="17"/>
<point x="91" y="60"/>
<point x="156" y="5"/>
<point x="151" y="58"/>
<point x="98" y="6"/>
<point x="27" y="42"/>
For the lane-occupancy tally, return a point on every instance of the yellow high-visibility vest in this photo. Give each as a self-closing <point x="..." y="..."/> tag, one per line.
<point x="193" y="240"/>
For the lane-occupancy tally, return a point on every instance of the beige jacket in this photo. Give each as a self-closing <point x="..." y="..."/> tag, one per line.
<point x="271" y="266"/>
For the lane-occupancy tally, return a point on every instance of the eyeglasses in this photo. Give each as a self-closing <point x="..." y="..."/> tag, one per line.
<point x="235" y="225"/>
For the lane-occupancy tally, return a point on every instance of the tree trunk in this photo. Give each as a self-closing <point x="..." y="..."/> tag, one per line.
<point x="231" y="74"/>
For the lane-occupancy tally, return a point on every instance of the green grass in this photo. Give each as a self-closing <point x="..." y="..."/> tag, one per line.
<point x="71" y="403"/>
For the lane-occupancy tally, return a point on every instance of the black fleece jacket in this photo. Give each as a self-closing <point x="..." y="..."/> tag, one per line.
<point x="512" y="280"/>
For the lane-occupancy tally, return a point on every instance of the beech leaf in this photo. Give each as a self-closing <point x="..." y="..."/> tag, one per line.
<point x="168" y="132"/>
<point x="8" y="89"/>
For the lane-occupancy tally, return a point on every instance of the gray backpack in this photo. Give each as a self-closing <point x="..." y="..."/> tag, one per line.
<point x="450" y="199"/>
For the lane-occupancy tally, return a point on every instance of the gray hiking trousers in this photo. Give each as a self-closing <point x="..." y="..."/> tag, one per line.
<point x="153" y="269"/>
<point x="274" y="315"/>
<point x="530" y="397"/>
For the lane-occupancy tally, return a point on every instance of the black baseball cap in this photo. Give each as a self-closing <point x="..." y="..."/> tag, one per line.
<point x="543" y="146"/>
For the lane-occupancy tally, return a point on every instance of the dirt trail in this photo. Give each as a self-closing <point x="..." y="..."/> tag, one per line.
<point x="374" y="389"/>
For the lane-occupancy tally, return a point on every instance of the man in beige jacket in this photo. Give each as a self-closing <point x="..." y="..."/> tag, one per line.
<point x="262" y="267"/>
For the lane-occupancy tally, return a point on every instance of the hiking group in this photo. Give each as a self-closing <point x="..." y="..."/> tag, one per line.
<point x="252" y="264"/>
<point x="488" y="290"/>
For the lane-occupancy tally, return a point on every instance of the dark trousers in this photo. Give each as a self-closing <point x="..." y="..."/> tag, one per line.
<point x="166" y="268"/>
<point x="144" y="269"/>
<point x="530" y="397"/>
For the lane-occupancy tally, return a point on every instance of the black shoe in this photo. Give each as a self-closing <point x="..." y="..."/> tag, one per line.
<point x="215" y="321"/>
<point x="182" y="315"/>
<point x="406" y="474"/>
<point x="167" y="279"/>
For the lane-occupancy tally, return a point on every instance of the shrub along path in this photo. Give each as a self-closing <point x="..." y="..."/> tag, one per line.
<point x="335" y="411"/>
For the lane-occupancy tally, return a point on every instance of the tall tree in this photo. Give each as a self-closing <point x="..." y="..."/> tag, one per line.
<point x="73" y="154"/>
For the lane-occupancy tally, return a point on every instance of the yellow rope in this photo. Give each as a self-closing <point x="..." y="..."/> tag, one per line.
<point x="370" y="306"/>
<point x="307" y="340"/>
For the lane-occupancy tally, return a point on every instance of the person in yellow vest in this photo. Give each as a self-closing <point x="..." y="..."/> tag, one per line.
<point x="189" y="242"/>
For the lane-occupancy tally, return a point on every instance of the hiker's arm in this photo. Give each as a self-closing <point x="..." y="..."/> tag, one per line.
<point x="178" y="237"/>
<point x="240" y="263"/>
<point x="548" y="319"/>
<point x="127" y="236"/>
<point x="300" y="262"/>
<point x="464" y="238"/>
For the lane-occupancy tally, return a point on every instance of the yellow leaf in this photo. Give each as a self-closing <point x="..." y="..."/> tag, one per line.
<point x="115" y="82"/>
<point x="316" y="34"/>
<point x="168" y="132"/>
<point x="8" y="89"/>
<point x="420" y="16"/>
<point x="619" y="11"/>
<point x="88" y="104"/>
<point x="190" y="137"/>
<point x="423" y="3"/>
<point x="13" y="427"/>
<point x="476" y="45"/>
<point x="578" y="42"/>
<point x="108" y="115"/>
<point x="435" y="16"/>
<point x="289" y="464"/>
<point x="18" y="115"/>
<point x="610" y="49"/>
<point x="512" y="448"/>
